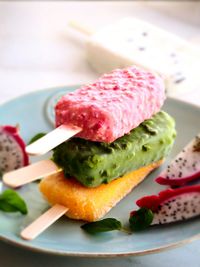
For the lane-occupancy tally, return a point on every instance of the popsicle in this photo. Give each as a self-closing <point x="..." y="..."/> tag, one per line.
<point x="141" y="151"/>
<point x="93" y="193"/>
<point x="69" y="197"/>
<point x="94" y="163"/>
<point x="134" y="41"/>
<point x="106" y="109"/>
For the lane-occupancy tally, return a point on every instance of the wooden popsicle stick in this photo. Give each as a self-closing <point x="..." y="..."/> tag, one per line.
<point x="77" y="26"/>
<point x="43" y="222"/>
<point x="30" y="173"/>
<point x="52" y="139"/>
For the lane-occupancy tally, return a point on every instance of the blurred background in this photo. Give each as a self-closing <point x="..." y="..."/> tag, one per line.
<point x="38" y="49"/>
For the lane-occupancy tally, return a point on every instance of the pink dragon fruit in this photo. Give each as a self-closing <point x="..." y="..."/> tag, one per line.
<point x="12" y="149"/>
<point x="184" y="168"/>
<point x="172" y="205"/>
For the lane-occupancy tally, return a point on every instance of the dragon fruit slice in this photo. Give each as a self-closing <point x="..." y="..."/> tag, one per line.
<point x="12" y="149"/>
<point x="184" y="168"/>
<point x="172" y="205"/>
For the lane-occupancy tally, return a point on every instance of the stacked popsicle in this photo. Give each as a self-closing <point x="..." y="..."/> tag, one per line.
<point x="122" y="137"/>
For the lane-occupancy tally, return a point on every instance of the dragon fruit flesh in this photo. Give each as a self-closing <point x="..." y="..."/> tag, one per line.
<point x="172" y="205"/>
<point x="12" y="149"/>
<point x="184" y="168"/>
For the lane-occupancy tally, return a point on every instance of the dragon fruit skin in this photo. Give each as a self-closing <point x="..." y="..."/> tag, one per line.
<point x="184" y="168"/>
<point x="173" y="205"/>
<point x="12" y="149"/>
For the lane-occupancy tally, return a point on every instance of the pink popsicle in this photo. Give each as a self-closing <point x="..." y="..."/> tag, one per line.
<point x="113" y="105"/>
<point x="106" y="109"/>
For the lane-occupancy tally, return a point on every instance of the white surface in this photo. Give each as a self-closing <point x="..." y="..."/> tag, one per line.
<point x="38" y="50"/>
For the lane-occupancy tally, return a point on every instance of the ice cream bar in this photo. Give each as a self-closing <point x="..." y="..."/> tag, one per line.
<point x="94" y="163"/>
<point x="69" y="197"/>
<point x="113" y="105"/>
<point x="90" y="204"/>
<point x="106" y="109"/>
<point x="133" y="41"/>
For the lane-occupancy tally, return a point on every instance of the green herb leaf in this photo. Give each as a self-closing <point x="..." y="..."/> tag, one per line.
<point x="141" y="219"/>
<point x="105" y="225"/>
<point x="10" y="201"/>
<point x="36" y="137"/>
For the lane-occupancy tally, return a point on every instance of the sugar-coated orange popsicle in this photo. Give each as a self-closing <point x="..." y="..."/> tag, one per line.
<point x="91" y="204"/>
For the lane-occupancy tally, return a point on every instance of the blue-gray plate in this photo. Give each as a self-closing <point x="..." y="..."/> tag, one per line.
<point x="34" y="113"/>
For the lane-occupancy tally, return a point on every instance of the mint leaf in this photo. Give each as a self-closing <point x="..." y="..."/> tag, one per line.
<point x="105" y="225"/>
<point x="36" y="137"/>
<point x="140" y="219"/>
<point x="10" y="201"/>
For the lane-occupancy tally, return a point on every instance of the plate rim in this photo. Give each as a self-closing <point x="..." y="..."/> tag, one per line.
<point x="59" y="252"/>
<point x="100" y="255"/>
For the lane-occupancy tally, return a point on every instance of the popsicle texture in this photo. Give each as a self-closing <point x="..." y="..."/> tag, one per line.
<point x="113" y="105"/>
<point x="91" y="204"/>
<point x="94" y="163"/>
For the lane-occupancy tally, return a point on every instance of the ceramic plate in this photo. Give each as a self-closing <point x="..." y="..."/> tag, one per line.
<point x="34" y="114"/>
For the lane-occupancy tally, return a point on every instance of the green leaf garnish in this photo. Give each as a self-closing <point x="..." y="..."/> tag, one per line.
<point x="141" y="219"/>
<point x="10" y="201"/>
<point x="36" y="137"/>
<point x="105" y="225"/>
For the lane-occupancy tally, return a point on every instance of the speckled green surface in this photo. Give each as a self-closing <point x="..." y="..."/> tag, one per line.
<point x="94" y="163"/>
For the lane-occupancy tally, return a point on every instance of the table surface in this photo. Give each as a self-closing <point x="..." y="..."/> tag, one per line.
<point x="38" y="50"/>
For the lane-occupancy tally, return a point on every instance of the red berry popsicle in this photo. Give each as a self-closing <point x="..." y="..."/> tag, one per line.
<point x="106" y="109"/>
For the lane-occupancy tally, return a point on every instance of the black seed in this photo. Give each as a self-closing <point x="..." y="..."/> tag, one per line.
<point x="172" y="55"/>
<point x="159" y="207"/>
<point x="163" y="212"/>
<point x="130" y="40"/>
<point x="180" y="80"/>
